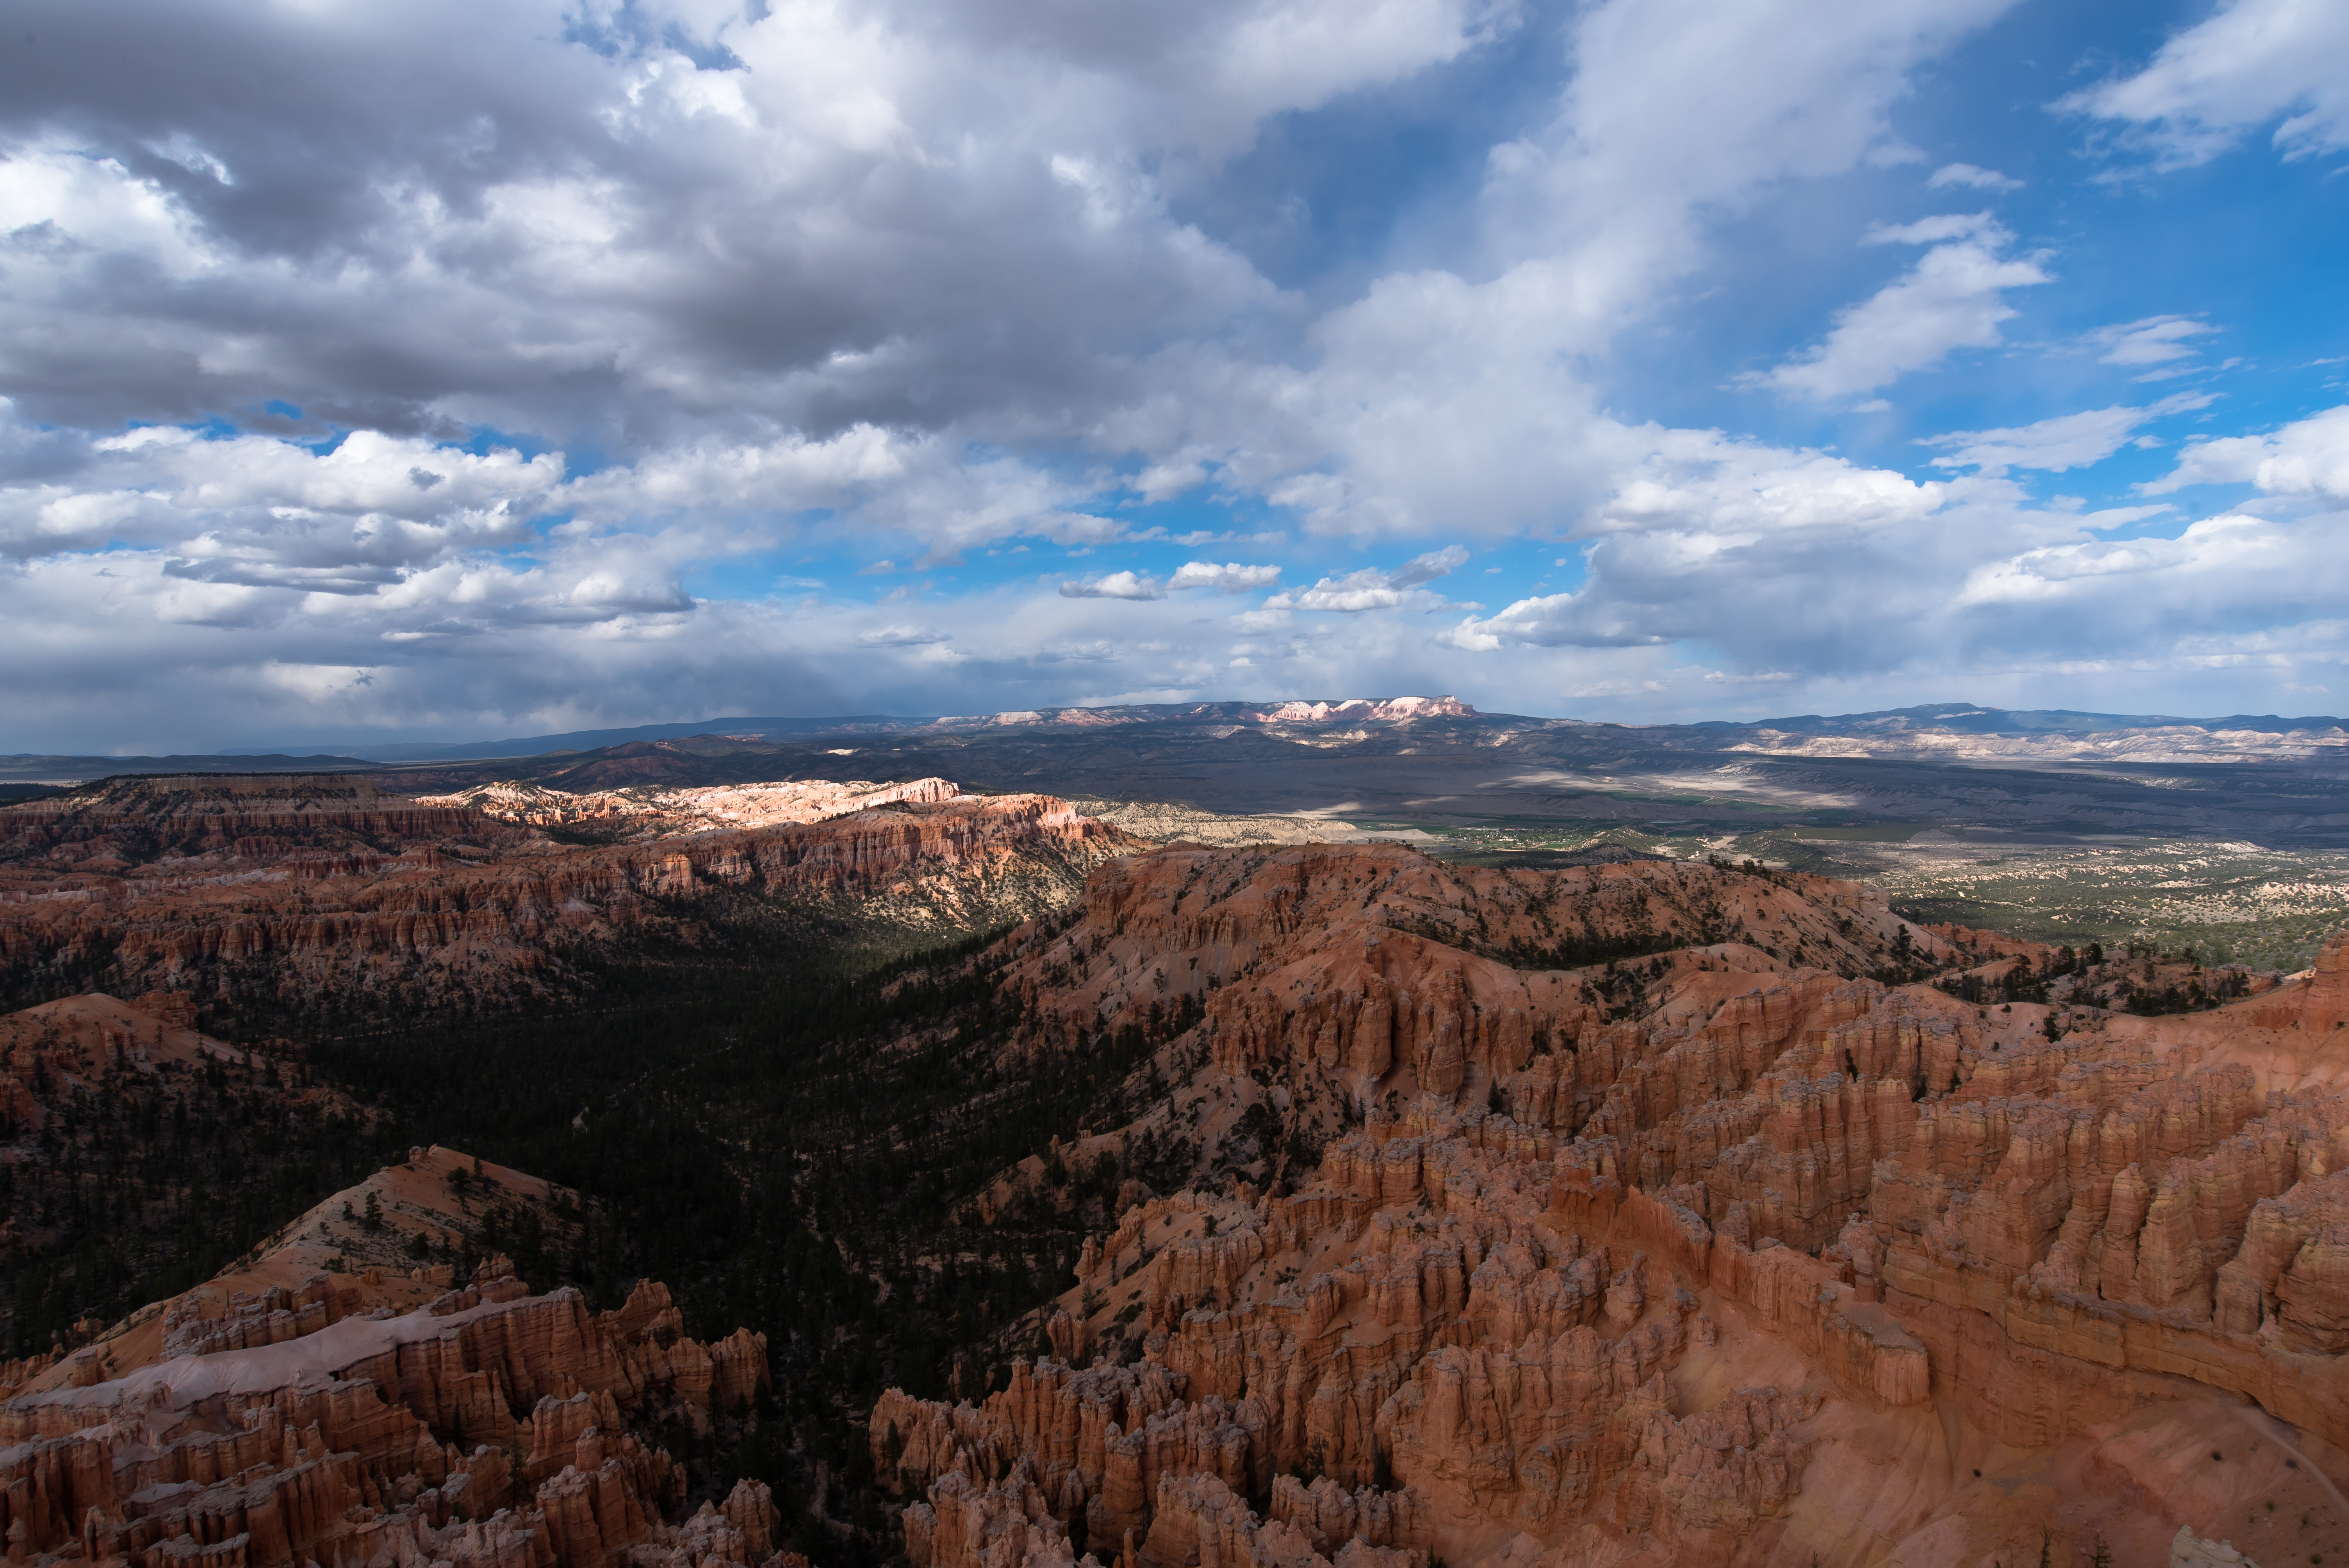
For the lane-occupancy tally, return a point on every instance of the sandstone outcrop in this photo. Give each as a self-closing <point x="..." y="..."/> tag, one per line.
<point x="487" y="1427"/>
<point x="49" y="1053"/>
<point x="1654" y="1257"/>
<point x="651" y="811"/>
<point x="287" y="885"/>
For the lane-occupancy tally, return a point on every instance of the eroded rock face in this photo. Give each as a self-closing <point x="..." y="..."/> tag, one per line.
<point x="651" y="810"/>
<point x="1596" y="1273"/>
<point x="212" y="886"/>
<point x="52" y="1052"/>
<point x="382" y="1438"/>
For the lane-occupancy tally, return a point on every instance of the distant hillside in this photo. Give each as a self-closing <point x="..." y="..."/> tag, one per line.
<point x="1320" y="710"/>
<point x="593" y="740"/>
<point x="32" y="767"/>
<point x="1967" y="718"/>
<point x="1098" y="751"/>
<point x="1953" y="718"/>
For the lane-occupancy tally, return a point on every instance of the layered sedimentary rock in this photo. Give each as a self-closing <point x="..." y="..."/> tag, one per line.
<point x="489" y="1427"/>
<point x="651" y="810"/>
<point x="1688" y="1256"/>
<point x="365" y="1249"/>
<point x="287" y="884"/>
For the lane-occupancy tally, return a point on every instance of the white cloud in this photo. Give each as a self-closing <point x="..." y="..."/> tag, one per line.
<point x="261" y="511"/>
<point x="1427" y="568"/>
<point x="2255" y="62"/>
<point x="2156" y="340"/>
<point x="918" y="281"/>
<point x="1115" y="585"/>
<point x="1972" y="177"/>
<point x="2306" y="458"/>
<point x="2058" y="444"/>
<point x="1437" y="405"/>
<point x="1229" y="578"/>
<point x="902" y="637"/>
<point x="1729" y="542"/>
<point x="1764" y="563"/>
<point x="2219" y="566"/>
<point x="1371" y="589"/>
<point x="1954" y="298"/>
<point x="1940" y="227"/>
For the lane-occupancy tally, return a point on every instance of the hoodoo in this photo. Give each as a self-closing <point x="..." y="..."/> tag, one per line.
<point x="1719" y="1241"/>
<point x="230" y="886"/>
<point x="484" y="1426"/>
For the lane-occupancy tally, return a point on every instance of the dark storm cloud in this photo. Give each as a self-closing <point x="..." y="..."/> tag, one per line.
<point x="458" y="208"/>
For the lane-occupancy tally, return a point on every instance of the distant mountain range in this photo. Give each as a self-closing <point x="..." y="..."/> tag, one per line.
<point x="1366" y="711"/>
<point x="32" y="767"/>
<point x="742" y="746"/>
<point x="1966" y="718"/>
<point x="1957" y="717"/>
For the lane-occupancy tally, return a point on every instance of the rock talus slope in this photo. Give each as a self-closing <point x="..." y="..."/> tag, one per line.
<point x="1643" y="1214"/>
<point x="317" y="1424"/>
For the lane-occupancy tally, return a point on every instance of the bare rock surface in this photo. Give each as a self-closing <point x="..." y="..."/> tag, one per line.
<point x="324" y="1423"/>
<point x="1624" y="1215"/>
<point x="653" y="812"/>
<point x="287" y="884"/>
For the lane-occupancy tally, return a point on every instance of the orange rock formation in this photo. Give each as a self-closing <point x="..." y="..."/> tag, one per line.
<point x="1694" y="1257"/>
<point x="483" y="1428"/>
<point x="61" y="1049"/>
<point x="651" y="810"/>
<point x="290" y="883"/>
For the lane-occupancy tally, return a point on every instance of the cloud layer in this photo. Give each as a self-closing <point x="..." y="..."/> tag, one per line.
<point x="442" y="370"/>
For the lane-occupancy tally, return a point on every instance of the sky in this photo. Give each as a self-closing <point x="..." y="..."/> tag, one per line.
<point x="447" y="371"/>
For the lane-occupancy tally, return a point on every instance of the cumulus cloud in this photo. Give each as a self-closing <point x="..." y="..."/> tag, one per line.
<point x="2061" y="444"/>
<point x="1954" y="298"/>
<point x="1115" y="585"/>
<point x="652" y="216"/>
<point x="1447" y="399"/>
<point x="410" y="389"/>
<point x="366" y="515"/>
<point x="1712" y="539"/>
<point x="2253" y="63"/>
<point x="1724" y="546"/>
<point x="1371" y="589"/>
<point x="2225" y="564"/>
<point x="1229" y="578"/>
<point x="1972" y="176"/>
<point x="2307" y="458"/>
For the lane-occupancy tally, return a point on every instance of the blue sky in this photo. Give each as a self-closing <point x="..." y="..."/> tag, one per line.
<point x="452" y="372"/>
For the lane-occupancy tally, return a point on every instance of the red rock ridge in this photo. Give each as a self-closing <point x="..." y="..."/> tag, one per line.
<point x="342" y="879"/>
<point x="393" y="1437"/>
<point x="650" y="809"/>
<point x="1760" y="1216"/>
<point x="70" y="1045"/>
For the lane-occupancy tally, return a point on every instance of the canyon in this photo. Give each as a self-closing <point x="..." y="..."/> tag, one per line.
<point x="275" y="887"/>
<point x="1317" y="1204"/>
<point x="1731" y="1248"/>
